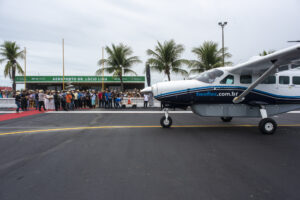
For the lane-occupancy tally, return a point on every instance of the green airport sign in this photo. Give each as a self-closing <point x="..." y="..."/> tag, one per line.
<point x="79" y="79"/>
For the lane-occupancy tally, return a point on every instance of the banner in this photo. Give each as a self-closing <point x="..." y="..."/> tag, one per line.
<point x="79" y="79"/>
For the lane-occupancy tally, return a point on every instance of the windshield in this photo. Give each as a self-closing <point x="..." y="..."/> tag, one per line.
<point x="209" y="76"/>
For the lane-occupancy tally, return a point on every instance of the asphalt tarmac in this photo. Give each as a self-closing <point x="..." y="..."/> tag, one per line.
<point x="128" y="156"/>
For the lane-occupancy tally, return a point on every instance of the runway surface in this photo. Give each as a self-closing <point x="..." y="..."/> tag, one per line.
<point x="128" y="156"/>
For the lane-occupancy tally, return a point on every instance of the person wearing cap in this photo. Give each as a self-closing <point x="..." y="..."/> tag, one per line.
<point x="41" y="100"/>
<point x="18" y="101"/>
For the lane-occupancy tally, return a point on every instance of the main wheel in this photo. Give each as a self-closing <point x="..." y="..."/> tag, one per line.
<point x="166" y="123"/>
<point x="267" y="126"/>
<point x="226" y="119"/>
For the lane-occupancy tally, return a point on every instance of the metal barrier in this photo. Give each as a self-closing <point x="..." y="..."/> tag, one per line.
<point x="7" y="103"/>
<point x="138" y="102"/>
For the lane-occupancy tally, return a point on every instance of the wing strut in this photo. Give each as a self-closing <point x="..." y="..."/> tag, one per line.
<point x="241" y="97"/>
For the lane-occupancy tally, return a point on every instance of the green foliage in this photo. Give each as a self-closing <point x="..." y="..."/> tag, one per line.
<point x="166" y="58"/>
<point x="10" y="53"/>
<point x="264" y="53"/>
<point x="119" y="57"/>
<point x="208" y="57"/>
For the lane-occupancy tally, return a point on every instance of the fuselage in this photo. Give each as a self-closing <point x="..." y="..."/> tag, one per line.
<point x="219" y="86"/>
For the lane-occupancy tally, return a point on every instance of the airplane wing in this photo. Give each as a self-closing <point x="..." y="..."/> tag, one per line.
<point x="262" y="63"/>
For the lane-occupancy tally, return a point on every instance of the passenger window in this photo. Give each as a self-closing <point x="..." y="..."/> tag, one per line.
<point x="269" y="80"/>
<point x="246" y="79"/>
<point x="283" y="68"/>
<point x="284" y="80"/>
<point x="228" y="80"/>
<point x="295" y="66"/>
<point x="296" y="80"/>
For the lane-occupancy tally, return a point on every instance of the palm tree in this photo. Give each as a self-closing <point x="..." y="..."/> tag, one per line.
<point x="10" y="53"/>
<point x="208" y="57"/>
<point x="264" y="53"/>
<point x="166" y="58"/>
<point x="118" y="61"/>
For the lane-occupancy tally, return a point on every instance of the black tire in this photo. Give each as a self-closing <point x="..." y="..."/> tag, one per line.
<point x="267" y="126"/>
<point x="226" y="119"/>
<point x="163" y="122"/>
<point x="134" y="106"/>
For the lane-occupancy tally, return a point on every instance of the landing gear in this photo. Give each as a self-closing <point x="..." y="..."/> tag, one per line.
<point x="266" y="125"/>
<point x="226" y="119"/>
<point x="166" y="121"/>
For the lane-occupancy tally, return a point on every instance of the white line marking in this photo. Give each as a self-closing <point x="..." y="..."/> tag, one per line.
<point x="120" y="112"/>
<point x="117" y="112"/>
<point x="8" y="112"/>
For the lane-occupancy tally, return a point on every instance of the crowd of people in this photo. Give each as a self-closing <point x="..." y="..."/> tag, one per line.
<point x="6" y="94"/>
<point x="73" y="99"/>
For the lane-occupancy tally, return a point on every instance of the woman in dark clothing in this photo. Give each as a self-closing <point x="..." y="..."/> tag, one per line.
<point x="23" y="101"/>
<point x="18" y="101"/>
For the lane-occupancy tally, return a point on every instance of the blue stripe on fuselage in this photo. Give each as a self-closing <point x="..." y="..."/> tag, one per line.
<point x="217" y="87"/>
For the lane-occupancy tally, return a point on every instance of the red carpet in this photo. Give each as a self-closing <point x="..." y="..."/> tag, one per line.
<point x="19" y="115"/>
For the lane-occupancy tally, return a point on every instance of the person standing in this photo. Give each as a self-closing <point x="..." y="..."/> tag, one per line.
<point x="18" y="101"/>
<point x="56" y="100"/>
<point x="41" y="100"/>
<point x="100" y="98"/>
<point x="23" y="100"/>
<point x="93" y="99"/>
<point x="76" y="99"/>
<point x="69" y="100"/>
<point x="63" y="100"/>
<point x="88" y="99"/>
<point x="79" y="97"/>
<point x="146" y="99"/>
<point x="109" y="95"/>
<point x="36" y="99"/>
<point x="50" y="98"/>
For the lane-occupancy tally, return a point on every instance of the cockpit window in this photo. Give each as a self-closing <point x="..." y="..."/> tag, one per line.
<point x="209" y="76"/>
<point x="228" y="80"/>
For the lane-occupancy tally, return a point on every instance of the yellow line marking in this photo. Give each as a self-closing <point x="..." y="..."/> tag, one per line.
<point x="111" y="127"/>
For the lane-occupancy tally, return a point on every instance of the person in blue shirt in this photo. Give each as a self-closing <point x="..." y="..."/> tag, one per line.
<point x="79" y="99"/>
<point x="106" y="99"/>
<point x="109" y="99"/>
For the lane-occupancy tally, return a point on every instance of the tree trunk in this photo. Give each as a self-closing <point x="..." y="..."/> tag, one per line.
<point x="169" y="78"/>
<point x="122" y="86"/>
<point x="14" y="77"/>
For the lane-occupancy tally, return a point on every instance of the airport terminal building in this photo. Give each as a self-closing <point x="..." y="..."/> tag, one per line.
<point x="81" y="82"/>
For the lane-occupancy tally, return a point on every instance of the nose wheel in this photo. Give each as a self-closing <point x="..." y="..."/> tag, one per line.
<point x="267" y="126"/>
<point x="166" y="121"/>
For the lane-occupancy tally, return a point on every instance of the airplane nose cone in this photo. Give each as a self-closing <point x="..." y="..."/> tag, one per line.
<point x="146" y="89"/>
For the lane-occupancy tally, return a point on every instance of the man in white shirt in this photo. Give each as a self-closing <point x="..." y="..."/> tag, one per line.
<point x="146" y="99"/>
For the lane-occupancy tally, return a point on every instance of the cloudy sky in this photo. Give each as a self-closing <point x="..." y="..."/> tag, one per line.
<point x="87" y="26"/>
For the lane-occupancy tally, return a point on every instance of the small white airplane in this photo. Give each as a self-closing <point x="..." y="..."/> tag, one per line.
<point x="261" y="87"/>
